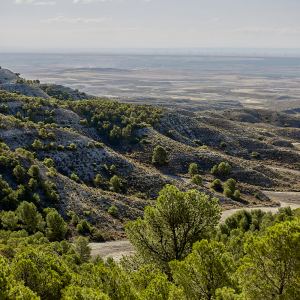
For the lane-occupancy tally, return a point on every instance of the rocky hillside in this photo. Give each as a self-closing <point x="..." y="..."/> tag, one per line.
<point x="96" y="157"/>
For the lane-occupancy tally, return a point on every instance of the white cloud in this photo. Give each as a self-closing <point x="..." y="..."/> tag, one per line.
<point x="74" y="20"/>
<point x="36" y="2"/>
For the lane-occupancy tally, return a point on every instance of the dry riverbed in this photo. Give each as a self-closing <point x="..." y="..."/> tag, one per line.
<point x="117" y="249"/>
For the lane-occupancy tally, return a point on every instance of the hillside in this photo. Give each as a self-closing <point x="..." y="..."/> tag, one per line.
<point x="101" y="151"/>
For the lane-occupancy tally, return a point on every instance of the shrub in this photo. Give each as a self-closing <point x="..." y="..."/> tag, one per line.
<point x="193" y="169"/>
<point x="72" y="147"/>
<point x="9" y="220"/>
<point x="83" y="122"/>
<point x="25" y="153"/>
<point x="113" y="211"/>
<point x="84" y="227"/>
<point x="32" y="184"/>
<point x="98" y="236"/>
<point x="228" y="192"/>
<point x="4" y="161"/>
<point x="56" y="227"/>
<point x="82" y="249"/>
<point x="45" y="273"/>
<point x="221" y="169"/>
<point x="74" y="177"/>
<point x="91" y="145"/>
<point x="98" y="180"/>
<point x="48" y="162"/>
<point x="34" y="171"/>
<point x="237" y="195"/>
<point x="74" y="218"/>
<point x="116" y="183"/>
<point x="197" y="179"/>
<point x="37" y="144"/>
<point x="20" y="173"/>
<point x="30" y="218"/>
<point x="113" y="169"/>
<point x="50" y="190"/>
<point x="52" y="172"/>
<point x="230" y="184"/>
<point x="159" y="156"/>
<point x="42" y="133"/>
<point x="99" y="145"/>
<point x="255" y="155"/>
<point x="115" y="134"/>
<point x="217" y="185"/>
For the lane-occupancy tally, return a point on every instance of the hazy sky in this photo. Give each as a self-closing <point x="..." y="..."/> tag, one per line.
<point x="95" y="24"/>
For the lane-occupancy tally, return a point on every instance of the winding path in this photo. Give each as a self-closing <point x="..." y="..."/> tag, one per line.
<point x="117" y="249"/>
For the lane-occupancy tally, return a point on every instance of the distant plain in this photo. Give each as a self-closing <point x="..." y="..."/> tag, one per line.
<point x="189" y="82"/>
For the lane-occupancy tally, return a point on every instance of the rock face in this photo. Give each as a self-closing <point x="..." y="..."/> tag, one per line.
<point x="258" y="145"/>
<point x="12" y="82"/>
<point x="24" y="89"/>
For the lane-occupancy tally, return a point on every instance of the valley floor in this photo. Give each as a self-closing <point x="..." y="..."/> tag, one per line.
<point x="117" y="249"/>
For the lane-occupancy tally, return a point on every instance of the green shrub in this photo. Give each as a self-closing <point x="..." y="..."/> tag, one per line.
<point x="98" y="180"/>
<point x="72" y="147"/>
<point x="30" y="218"/>
<point x="56" y="227"/>
<point x="222" y="169"/>
<point x="20" y="173"/>
<point x="84" y="227"/>
<point x="115" y="134"/>
<point x="230" y="184"/>
<point x="113" y="211"/>
<point x="60" y="147"/>
<point x="34" y="172"/>
<point x="159" y="156"/>
<point x="87" y="213"/>
<point x="50" y="190"/>
<point x="116" y="183"/>
<point x="255" y="155"/>
<point x="197" y="179"/>
<point x="9" y="220"/>
<point x="97" y="236"/>
<point x="48" y="162"/>
<point x="217" y="185"/>
<point x="227" y="192"/>
<point x="237" y="195"/>
<point x="99" y="145"/>
<point x="32" y="184"/>
<point x="193" y="169"/>
<point x="82" y="249"/>
<point x="23" y="152"/>
<point x="37" y="144"/>
<point x="83" y="122"/>
<point x="74" y="177"/>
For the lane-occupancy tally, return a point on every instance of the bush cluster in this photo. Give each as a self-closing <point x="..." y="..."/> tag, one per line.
<point x="210" y="261"/>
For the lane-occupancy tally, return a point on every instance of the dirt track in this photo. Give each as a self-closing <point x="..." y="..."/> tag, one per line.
<point x="117" y="249"/>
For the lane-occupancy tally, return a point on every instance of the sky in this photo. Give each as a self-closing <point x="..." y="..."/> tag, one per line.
<point x="46" y="25"/>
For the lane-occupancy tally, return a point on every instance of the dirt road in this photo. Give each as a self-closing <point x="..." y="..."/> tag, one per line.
<point x="117" y="249"/>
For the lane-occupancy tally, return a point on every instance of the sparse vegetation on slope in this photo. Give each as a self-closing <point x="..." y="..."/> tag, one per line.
<point x="90" y="155"/>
